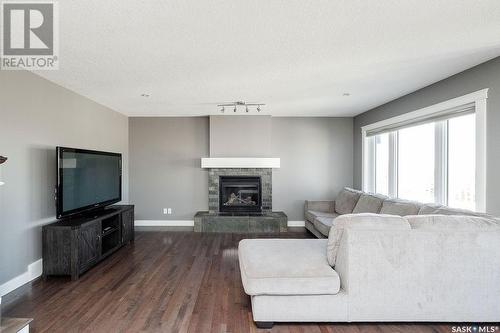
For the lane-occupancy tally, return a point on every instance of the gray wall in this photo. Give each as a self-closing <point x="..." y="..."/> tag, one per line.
<point x="316" y="161"/>
<point x="240" y="136"/>
<point x="486" y="75"/>
<point x="165" y="166"/>
<point x="35" y="117"/>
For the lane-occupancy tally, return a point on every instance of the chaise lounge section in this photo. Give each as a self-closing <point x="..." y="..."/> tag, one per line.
<point x="375" y="267"/>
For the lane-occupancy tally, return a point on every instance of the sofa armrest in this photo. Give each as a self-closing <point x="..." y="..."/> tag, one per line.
<point x="407" y="269"/>
<point x="327" y="206"/>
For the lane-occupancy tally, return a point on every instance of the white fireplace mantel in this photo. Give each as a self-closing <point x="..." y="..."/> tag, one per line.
<point x="240" y="162"/>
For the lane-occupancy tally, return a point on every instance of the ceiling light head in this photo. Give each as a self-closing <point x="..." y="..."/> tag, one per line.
<point x="235" y="109"/>
<point x="258" y="108"/>
<point x="145" y="95"/>
<point x="246" y="109"/>
<point x="222" y="110"/>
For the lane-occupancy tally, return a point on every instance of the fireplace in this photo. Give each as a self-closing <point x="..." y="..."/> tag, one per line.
<point x="224" y="181"/>
<point x="240" y="194"/>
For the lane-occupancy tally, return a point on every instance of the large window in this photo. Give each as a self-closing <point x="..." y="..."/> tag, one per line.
<point x="431" y="158"/>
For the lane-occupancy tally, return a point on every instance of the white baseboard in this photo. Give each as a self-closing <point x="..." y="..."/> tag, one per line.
<point x="34" y="271"/>
<point x="188" y="223"/>
<point x="164" y="223"/>
<point x="296" y="224"/>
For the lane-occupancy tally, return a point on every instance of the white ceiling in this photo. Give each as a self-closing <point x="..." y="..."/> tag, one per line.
<point x="297" y="56"/>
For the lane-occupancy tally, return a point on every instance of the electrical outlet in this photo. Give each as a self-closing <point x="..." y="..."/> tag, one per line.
<point x="169" y="211"/>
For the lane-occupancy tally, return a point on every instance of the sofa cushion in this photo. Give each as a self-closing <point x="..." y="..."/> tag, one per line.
<point x="443" y="210"/>
<point x="366" y="221"/>
<point x="369" y="203"/>
<point x="455" y="211"/>
<point x="312" y="214"/>
<point x="452" y="222"/>
<point x="346" y="200"/>
<point x="323" y="224"/>
<point x="400" y="207"/>
<point x="434" y="209"/>
<point x="286" y="267"/>
<point x="429" y="208"/>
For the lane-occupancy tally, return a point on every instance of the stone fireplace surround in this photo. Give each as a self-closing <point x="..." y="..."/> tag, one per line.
<point x="266" y="175"/>
<point x="265" y="221"/>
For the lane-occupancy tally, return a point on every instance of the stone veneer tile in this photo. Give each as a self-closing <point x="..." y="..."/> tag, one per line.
<point x="274" y="222"/>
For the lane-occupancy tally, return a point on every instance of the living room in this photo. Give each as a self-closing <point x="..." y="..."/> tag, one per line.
<point x="240" y="166"/>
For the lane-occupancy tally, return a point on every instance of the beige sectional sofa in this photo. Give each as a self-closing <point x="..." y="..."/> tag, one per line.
<point x="377" y="267"/>
<point x="320" y="215"/>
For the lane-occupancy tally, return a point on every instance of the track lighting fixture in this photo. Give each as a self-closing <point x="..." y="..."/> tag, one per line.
<point x="245" y="104"/>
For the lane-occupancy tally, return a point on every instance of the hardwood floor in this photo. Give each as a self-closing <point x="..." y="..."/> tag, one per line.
<point x="168" y="281"/>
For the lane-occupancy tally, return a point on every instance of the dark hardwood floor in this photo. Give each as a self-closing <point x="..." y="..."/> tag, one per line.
<point x="168" y="281"/>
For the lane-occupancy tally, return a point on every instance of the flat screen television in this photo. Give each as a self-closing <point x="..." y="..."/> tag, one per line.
<point x="87" y="180"/>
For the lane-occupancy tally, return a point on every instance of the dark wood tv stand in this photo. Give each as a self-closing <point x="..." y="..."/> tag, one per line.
<point x="73" y="245"/>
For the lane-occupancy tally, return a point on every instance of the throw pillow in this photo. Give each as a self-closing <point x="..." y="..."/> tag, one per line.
<point x="346" y="200"/>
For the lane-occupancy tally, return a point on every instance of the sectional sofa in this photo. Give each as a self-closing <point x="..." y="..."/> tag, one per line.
<point x="377" y="267"/>
<point x="320" y="215"/>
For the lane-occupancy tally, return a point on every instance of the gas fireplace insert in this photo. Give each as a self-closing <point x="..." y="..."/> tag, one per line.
<point x="240" y="194"/>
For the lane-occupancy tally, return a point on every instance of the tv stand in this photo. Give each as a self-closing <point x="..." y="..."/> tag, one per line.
<point x="73" y="245"/>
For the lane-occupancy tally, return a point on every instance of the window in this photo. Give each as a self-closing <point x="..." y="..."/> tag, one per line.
<point x="416" y="154"/>
<point x="430" y="155"/>
<point x="461" y="162"/>
<point x="382" y="163"/>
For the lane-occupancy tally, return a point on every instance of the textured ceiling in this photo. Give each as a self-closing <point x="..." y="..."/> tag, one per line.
<point x="298" y="57"/>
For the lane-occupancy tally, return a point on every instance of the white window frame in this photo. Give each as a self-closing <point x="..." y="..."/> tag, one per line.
<point x="479" y="98"/>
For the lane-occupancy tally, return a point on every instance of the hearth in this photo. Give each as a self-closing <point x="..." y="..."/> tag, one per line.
<point x="240" y="194"/>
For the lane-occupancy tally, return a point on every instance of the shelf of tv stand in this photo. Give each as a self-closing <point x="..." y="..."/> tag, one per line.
<point x="109" y="232"/>
<point x="74" y="245"/>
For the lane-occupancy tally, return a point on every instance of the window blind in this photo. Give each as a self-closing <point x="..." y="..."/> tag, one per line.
<point x="435" y="117"/>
